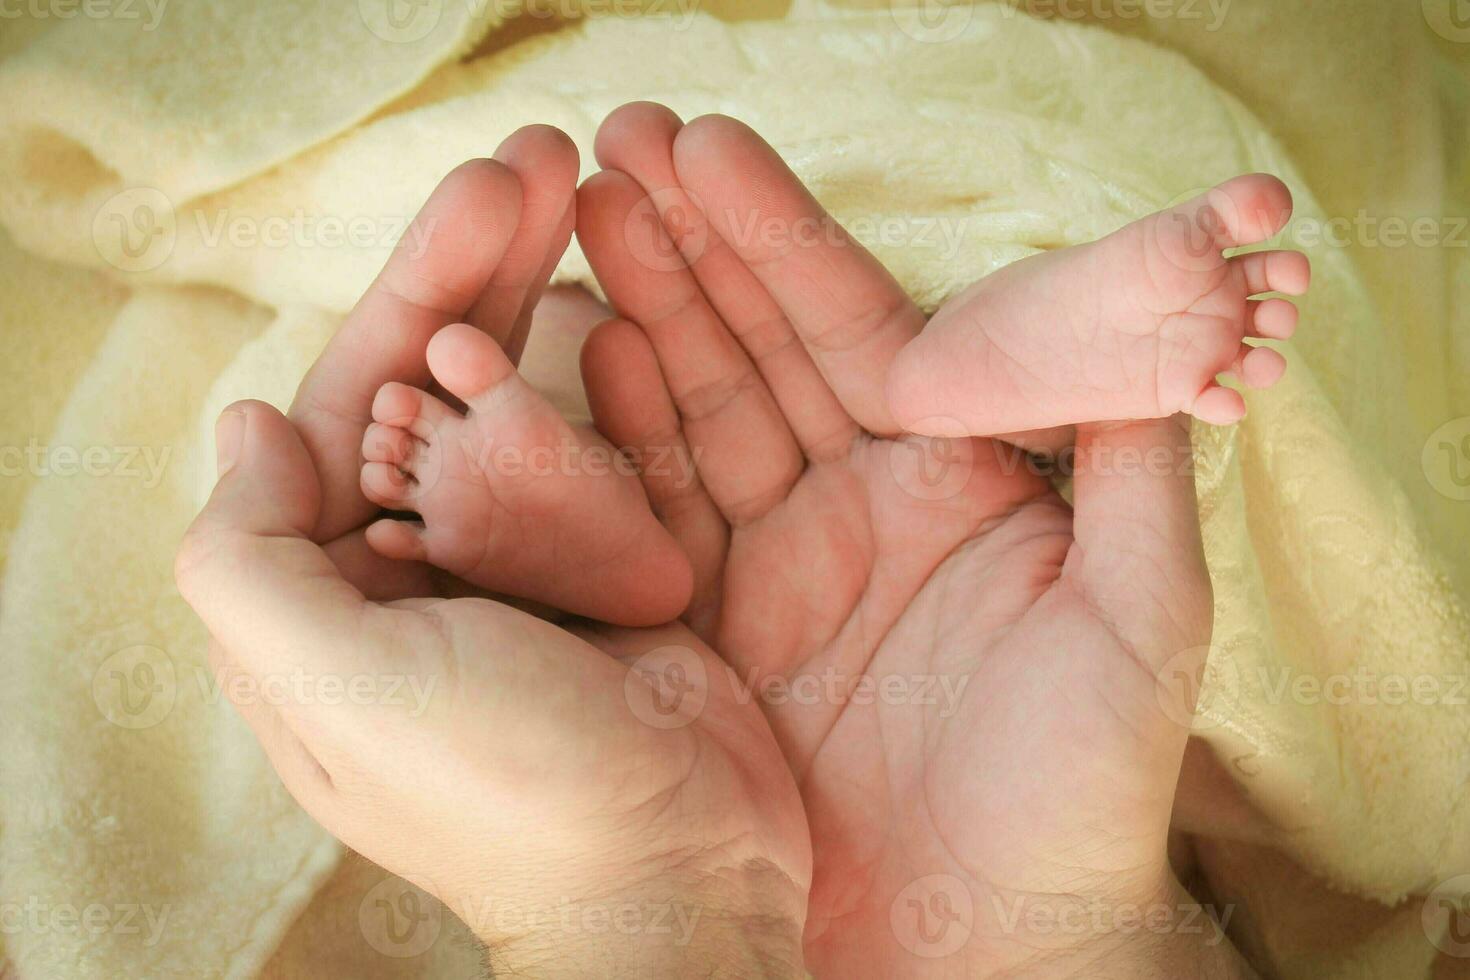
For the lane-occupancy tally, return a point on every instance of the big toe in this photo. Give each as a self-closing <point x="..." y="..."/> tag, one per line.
<point x="1251" y="208"/>
<point x="468" y="363"/>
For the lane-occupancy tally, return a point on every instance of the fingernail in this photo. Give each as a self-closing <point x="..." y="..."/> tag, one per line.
<point x="229" y="435"/>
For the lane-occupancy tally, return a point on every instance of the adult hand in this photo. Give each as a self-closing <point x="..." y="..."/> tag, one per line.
<point x="534" y="777"/>
<point x="1038" y="781"/>
<point x="479" y="251"/>
<point x="513" y="769"/>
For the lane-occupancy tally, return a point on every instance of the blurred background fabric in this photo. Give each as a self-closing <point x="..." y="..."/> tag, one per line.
<point x="194" y="192"/>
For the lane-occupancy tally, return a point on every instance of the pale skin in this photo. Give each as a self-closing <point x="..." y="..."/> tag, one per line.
<point x="531" y="779"/>
<point x="814" y="544"/>
<point x="817" y="547"/>
<point x="494" y="231"/>
<point x="1138" y="325"/>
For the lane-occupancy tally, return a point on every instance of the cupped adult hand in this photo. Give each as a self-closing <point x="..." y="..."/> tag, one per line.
<point x="481" y="251"/>
<point x="538" y="770"/>
<point x="962" y="670"/>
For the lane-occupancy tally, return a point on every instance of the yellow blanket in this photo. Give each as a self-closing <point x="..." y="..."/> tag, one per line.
<point x="190" y="201"/>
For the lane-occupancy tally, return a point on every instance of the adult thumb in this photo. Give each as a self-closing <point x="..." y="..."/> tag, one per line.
<point x="262" y="587"/>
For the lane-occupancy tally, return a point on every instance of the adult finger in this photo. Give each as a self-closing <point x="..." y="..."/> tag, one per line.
<point x="438" y="271"/>
<point x="266" y="592"/>
<point x="1138" y="557"/>
<point x="638" y="139"/>
<point x="727" y="411"/>
<point x="545" y="162"/>
<point x="300" y="770"/>
<point x="633" y="409"/>
<point x="849" y="311"/>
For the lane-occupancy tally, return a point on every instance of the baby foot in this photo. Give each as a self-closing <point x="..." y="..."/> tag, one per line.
<point x="1136" y="325"/>
<point x="512" y="497"/>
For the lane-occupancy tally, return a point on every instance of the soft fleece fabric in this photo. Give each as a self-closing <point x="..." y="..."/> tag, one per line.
<point x="1335" y="519"/>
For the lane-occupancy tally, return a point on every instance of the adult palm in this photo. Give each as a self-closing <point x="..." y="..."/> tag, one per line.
<point x="962" y="669"/>
<point x="540" y="771"/>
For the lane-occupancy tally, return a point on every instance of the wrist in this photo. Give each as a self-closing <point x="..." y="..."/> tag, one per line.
<point x="741" y="925"/>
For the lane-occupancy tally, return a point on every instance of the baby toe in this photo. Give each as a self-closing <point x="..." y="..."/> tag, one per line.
<point x="387" y="486"/>
<point x="396" y="402"/>
<point x="1219" y="405"/>
<point x="469" y="364"/>
<point x="1251" y="208"/>
<point x="1262" y="367"/>
<point x="1274" y="319"/>
<point x="388" y="444"/>
<point x="406" y="407"/>
<point x="399" y="540"/>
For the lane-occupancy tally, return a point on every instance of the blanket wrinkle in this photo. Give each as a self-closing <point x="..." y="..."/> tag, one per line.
<point x="187" y="210"/>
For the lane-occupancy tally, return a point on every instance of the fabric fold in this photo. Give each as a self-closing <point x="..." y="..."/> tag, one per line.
<point x="223" y="185"/>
